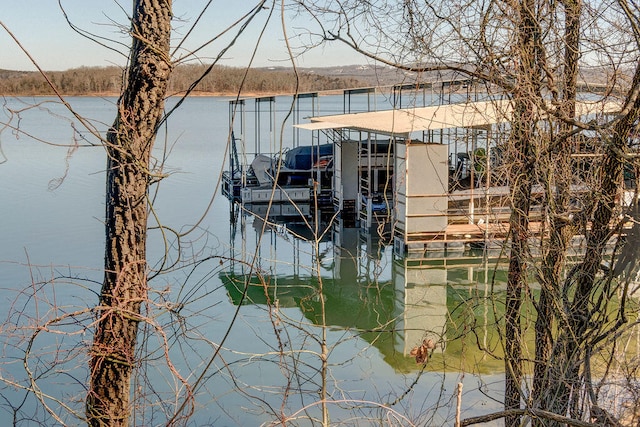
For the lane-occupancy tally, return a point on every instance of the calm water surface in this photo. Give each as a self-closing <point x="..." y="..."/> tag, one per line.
<point x="371" y="308"/>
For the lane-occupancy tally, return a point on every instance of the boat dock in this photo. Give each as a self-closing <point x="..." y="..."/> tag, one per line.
<point x="434" y="174"/>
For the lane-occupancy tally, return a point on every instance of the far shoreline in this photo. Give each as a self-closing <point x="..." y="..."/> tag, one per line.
<point x="198" y="94"/>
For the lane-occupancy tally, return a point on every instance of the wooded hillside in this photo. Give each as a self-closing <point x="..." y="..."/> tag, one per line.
<point x="222" y="80"/>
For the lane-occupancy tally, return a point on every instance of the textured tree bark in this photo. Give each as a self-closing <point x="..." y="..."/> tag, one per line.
<point x="521" y="177"/>
<point x="560" y="231"/>
<point x="572" y="348"/>
<point x="129" y="144"/>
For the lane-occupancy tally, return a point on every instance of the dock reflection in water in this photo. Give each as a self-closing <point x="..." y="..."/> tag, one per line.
<point x="349" y="279"/>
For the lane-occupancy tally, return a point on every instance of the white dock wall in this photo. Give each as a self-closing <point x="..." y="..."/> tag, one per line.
<point x="421" y="187"/>
<point x="345" y="176"/>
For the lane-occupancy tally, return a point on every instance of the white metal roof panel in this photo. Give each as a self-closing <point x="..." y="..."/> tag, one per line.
<point x="407" y="120"/>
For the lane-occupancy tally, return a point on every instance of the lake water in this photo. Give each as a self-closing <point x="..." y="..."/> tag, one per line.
<point x="345" y="289"/>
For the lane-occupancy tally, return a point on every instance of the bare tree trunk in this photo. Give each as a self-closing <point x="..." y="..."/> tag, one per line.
<point x="561" y="228"/>
<point x="570" y="356"/>
<point x="130" y="141"/>
<point x="521" y="177"/>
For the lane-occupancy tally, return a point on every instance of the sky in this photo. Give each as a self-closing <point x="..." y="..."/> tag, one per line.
<point x="41" y="28"/>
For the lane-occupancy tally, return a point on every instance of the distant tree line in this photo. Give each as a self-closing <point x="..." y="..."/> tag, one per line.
<point x="222" y="80"/>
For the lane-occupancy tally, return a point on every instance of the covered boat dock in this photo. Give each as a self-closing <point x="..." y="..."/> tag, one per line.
<point x="444" y="186"/>
<point x="434" y="176"/>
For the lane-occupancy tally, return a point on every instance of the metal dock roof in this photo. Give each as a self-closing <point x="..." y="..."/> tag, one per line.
<point x="406" y="120"/>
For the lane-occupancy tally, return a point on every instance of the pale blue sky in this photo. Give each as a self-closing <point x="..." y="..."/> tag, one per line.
<point x="40" y="27"/>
